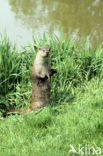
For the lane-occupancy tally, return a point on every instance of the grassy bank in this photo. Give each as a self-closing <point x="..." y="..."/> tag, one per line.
<point x="75" y="113"/>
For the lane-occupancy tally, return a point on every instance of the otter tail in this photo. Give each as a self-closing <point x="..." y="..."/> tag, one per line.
<point x="13" y="112"/>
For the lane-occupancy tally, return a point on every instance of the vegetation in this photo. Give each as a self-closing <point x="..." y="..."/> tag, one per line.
<point x="75" y="114"/>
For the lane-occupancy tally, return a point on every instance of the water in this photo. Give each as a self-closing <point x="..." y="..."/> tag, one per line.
<point x="76" y="18"/>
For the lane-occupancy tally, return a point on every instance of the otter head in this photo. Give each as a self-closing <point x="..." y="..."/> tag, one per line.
<point x="45" y="51"/>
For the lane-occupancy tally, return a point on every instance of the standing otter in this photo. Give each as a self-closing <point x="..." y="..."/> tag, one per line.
<point x="41" y="74"/>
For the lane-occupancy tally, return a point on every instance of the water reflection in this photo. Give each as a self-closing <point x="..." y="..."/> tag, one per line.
<point x="80" y="16"/>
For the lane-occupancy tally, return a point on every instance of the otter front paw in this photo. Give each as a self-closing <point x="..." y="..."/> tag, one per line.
<point x="43" y="79"/>
<point x="53" y="71"/>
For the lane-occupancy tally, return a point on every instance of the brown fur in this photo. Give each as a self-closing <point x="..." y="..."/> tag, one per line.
<point x="41" y="73"/>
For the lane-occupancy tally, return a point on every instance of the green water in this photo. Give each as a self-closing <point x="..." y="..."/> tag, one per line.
<point x="76" y="18"/>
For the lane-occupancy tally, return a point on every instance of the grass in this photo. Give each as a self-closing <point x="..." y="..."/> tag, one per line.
<point x="75" y="113"/>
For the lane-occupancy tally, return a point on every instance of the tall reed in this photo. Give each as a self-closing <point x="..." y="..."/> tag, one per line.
<point x="74" y="65"/>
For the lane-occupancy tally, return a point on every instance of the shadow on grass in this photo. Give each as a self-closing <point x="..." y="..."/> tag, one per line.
<point x="99" y="128"/>
<point x="62" y="97"/>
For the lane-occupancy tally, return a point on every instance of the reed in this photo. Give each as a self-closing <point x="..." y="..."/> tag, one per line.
<point x="75" y="65"/>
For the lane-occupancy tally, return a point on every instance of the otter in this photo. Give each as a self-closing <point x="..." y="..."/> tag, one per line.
<point x="41" y="75"/>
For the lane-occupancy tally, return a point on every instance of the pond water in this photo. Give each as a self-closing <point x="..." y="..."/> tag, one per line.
<point x="76" y="18"/>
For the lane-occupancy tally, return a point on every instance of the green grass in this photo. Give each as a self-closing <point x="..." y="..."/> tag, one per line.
<point x="75" y="113"/>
